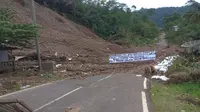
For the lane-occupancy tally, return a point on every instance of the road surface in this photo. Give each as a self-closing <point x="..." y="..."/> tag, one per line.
<point x="106" y="93"/>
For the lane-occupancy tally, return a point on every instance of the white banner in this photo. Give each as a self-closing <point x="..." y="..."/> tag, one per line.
<point x="133" y="57"/>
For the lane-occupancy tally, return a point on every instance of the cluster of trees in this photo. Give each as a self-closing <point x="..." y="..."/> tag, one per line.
<point x="188" y="23"/>
<point x="15" y="34"/>
<point x="160" y="13"/>
<point x="111" y="20"/>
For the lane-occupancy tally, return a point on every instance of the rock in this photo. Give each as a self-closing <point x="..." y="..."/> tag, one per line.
<point x="163" y="78"/>
<point x="56" y="54"/>
<point x="1" y="86"/>
<point x="63" y="71"/>
<point x="24" y="87"/>
<point x="73" y="110"/>
<point x="149" y="71"/>
<point x="69" y="59"/>
<point x="58" y="65"/>
<point x="19" y="57"/>
<point x="48" y="66"/>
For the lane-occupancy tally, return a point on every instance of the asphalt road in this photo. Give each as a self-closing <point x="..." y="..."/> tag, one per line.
<point x="106" y="93"/>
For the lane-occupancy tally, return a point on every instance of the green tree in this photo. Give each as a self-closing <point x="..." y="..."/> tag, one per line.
<point x="172" y="20"/>
<point x="193" y="15"/>
<point x="189" y="27"/>
<point x="15" y="34"/>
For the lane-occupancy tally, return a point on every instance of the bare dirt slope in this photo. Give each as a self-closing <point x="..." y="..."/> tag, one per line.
<point x="59" y="34"/>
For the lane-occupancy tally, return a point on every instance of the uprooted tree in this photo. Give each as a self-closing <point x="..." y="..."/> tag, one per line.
<point x="15" y="34"/>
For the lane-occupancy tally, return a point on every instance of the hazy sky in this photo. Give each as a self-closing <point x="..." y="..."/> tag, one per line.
<point x="154" y="3"/>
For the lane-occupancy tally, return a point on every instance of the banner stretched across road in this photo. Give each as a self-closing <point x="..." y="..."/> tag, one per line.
<point x="132" y="57"/>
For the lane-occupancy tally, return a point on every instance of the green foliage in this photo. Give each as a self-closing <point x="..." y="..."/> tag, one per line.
<point x="184" y="70"/>
<point x="188" y="23"/>
<point x="15" y="34"/>
<point x="111" y="20"/>
<point x="180" y="65"/>
<point x="165" y="98"/>
<point x="193" y="15"/>
<point x="185" y="64"/>
<point x="172" y="20"/>
<point x="159" y="13"/>
<point x="6" y="14"/>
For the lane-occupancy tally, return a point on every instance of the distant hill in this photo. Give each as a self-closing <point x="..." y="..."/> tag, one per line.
<point x="160" y="13"/>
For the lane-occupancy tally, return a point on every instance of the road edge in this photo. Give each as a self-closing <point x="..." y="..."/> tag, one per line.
<point x="151" y="106"/>
<point x="31" y="88"/>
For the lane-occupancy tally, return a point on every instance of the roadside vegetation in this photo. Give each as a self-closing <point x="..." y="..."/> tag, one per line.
<point x="111" y="20"/>
<point x="176" y="97"/>
<point x="182" y="92"/>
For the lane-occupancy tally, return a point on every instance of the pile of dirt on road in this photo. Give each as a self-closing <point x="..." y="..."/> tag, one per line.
<point x="59" y="35"/>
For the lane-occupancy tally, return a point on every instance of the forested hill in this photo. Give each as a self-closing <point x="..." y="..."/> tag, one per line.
<point x="160" y="13"/>
<point x="110" y="20"/>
